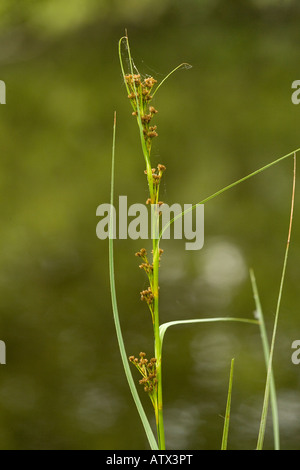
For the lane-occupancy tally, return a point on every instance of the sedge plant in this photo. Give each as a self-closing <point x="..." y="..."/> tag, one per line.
<point x="140" y="92"/>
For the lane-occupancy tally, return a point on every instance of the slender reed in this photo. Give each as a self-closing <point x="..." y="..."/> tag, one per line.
<point x="228" y="407"/>
<point x="262" y="428"/>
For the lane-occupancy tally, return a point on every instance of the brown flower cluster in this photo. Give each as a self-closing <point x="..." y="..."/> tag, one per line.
<point x="148" y="371"/>
<point x="157" y="173"/>
<point x="147" y="294"/>
<point x="140" y="97"/>
<point x="148" y="268"/>
<point x="155" y="178"/>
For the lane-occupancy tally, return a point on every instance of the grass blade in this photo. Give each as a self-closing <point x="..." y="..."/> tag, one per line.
<point x="266" y="349"/>
<point x="227" y="412"/>
<point x="226" y="188"/>
<point x="264" y="414"/>
<point x="144" y="419"/>
<point x="163" y="328"/>
<point x="184" y="65"/>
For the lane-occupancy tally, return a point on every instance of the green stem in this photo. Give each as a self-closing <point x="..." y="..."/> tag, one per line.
<point x="157" y="339"/>
<point x="227" y="412"/>
<point x="263" y="420"/>
<point x="266" y="349"/>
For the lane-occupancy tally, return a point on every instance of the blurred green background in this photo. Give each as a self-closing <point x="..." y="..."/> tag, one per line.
<point x="63" y="386"/>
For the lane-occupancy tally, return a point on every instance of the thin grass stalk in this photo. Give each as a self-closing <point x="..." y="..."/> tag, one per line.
<point x="263" y="421"/>
<point x="157" y="339"/>
<point x="183" y="65"/>
<point x="157" y="346"/>
<point x="228" y="408"/>
<point x="266" y="350"/>
<point x="226" y="188"/>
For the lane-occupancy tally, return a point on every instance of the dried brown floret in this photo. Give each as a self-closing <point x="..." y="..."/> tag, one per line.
<point x="148" y="371"/>
<point x="152" y="110"/>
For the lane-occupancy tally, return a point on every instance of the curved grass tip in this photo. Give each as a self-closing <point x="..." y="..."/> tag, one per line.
<point x="124" y="41"/>
<point x="183" y="66"/>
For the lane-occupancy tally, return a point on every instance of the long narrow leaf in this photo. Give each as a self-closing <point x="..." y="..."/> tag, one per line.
<point x="264" y="414"/>
<point x="183" y="65"/>
<point x="163" y="328"/>
<point x="228" y="407"/>
<point x="226" y="188"/>
<point x="144" y="419"/>
<point x="266" y="349"/>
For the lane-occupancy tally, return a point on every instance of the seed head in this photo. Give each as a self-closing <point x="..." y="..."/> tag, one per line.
<point x="161" y="168"/>
<point x="147" y="295"/>
<point x="152" y="110"/>
<point x="142" y="253"/>
<point x="137" y="79"/>
<point x="149" y="82"/>
<point x="152" y="134"/>
<point x="146" y="118"/>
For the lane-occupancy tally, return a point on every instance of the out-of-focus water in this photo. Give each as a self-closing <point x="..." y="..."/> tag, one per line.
<point x="63" y="386"/>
